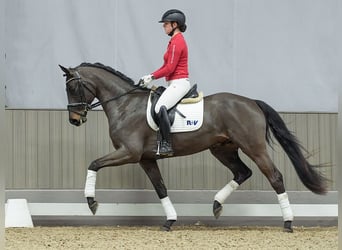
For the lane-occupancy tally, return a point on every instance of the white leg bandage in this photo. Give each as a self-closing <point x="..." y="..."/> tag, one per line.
<point x="285" y="207"/>
<point x="169" y="209"/>
<point x="223" y="194"/>
<point x="89" y="190"/>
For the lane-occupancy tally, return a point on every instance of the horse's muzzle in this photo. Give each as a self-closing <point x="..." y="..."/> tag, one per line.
<point x="77" y="113"/>
<point x="75" y="122"/>
<point x="78" y="122"/>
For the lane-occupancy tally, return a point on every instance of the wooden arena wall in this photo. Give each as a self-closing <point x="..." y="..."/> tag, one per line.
<point x="46" y="152"/>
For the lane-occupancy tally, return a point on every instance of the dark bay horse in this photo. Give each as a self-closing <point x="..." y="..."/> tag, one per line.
<point x="231" y="122"/>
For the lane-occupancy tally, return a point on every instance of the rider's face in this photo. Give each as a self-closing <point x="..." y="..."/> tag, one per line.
<point x="167" y="27"/>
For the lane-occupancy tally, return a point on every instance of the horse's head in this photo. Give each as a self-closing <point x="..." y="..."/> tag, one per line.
<point x="80" y="95"/>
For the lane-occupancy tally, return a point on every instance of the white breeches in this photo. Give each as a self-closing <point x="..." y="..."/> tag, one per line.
<point x="173" y="93"/>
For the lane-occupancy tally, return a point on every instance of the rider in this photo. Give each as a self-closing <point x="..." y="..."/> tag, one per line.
<point x="175" y="71"/>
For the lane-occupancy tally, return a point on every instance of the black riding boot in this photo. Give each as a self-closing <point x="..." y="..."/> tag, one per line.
<point x="164" y="127"/>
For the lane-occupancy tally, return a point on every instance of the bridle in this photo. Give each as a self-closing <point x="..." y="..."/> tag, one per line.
<point x="82" y="105"/>
<point x="85" y="107"/>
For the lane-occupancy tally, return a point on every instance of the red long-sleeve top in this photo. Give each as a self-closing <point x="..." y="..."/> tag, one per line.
<point x="175" y="60"/>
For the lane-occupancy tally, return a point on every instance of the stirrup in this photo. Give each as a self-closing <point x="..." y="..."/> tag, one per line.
<point x="164" y="149"/>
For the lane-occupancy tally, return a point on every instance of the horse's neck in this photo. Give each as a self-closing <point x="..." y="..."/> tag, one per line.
<point x="111" y="88"/>
<point x="111" y="93"/>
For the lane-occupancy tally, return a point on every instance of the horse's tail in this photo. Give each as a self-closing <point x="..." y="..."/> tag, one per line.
<point x="307" y="173"/>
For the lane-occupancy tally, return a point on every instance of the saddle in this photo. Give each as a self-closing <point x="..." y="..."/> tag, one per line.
<point x="191" y="97"/>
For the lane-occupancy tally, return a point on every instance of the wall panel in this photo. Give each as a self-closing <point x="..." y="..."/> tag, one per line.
<point x="46" y="152"/>
<point x="272" y="50"/>
<point x="19" y="149"/>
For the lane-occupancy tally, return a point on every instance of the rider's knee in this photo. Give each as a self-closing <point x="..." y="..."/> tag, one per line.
<point x="160" y="107"/>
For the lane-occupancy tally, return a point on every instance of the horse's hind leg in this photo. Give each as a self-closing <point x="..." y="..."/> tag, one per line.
<point x="265" y="164"/>
<point x="228" y="155"/>
<point x="152" y="170"/>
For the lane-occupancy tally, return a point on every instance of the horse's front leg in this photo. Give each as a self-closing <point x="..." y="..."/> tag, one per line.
<point x="152" y="170"/>
<point x="118" y="157"/>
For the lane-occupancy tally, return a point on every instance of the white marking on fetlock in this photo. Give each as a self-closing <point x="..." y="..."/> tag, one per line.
<point x="89" y="190"/>
<point x="285" y="207"/>
<point x="168" y="208"/>
<point x="223" y="194"/>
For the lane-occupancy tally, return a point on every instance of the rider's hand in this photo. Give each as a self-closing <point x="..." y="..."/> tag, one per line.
<point x="145" y="81"/>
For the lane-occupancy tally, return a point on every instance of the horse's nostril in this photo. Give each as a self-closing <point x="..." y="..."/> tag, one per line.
<point x="75" y="122"/>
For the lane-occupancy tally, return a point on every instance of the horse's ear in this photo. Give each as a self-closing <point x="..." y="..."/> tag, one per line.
<point x="65" y="70"/>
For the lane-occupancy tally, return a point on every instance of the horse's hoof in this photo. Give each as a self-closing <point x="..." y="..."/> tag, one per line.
<point x="217" y="209"/>
<point x="167" y="226"/>
<point x="288" y="227"/>
<point x="92" y="204"/>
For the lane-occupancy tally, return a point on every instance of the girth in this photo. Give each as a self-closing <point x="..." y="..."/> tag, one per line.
<point x="156" y="93"/>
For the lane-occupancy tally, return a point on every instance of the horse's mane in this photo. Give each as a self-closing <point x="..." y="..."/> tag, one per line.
<point x="109" y="69"/>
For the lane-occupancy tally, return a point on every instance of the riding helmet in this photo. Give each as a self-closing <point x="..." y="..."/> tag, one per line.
<point x="174" y="15"/>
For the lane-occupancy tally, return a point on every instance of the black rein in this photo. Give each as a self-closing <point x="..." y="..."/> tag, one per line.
<point x="112" y="99"/>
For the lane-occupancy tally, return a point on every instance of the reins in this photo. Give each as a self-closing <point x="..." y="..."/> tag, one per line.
<point x="112" y="99"/>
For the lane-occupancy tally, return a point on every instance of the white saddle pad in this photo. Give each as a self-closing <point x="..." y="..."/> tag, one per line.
<point x="193" y="120"/>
